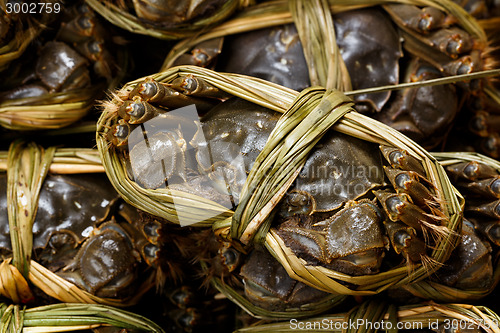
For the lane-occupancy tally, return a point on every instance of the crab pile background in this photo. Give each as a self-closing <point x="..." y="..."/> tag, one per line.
<point x="72" y="55"/>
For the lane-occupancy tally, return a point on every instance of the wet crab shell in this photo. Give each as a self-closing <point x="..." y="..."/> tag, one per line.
<point x="76" y="235"/>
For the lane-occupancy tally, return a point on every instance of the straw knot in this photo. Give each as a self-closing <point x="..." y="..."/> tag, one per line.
<point x="27" y="167"/>
<point x="313" y="112"/>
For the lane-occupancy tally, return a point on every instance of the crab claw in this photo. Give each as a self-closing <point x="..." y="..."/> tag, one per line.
<point x="155" y="92"/>
<point x="399" y="207"/>
<point x="400" y="159"/>
<point x="472" y="171"/>
<point x="410" y="182"/>
<point x="489" y="187"/>
<point x="404" y="240"/>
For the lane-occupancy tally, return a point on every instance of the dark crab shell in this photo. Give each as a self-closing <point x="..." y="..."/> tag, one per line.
<point x="411" y="42"/>
<point x="276" y="55"/>
<point x="68" y="204"/>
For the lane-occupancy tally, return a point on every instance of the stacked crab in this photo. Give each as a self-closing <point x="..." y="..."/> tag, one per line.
<point x="274" y="166"/>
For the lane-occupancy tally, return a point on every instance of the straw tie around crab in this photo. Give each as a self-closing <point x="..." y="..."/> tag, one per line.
<point x="299" y="129"/>
<point x="306" y="117"/>
<point x="28" y="165"/>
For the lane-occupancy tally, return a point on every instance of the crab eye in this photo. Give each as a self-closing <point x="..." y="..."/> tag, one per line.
<point x="465" y="68"/>
<point x="478" y="123"/>
<point x="85" y="22"/>
<point x="187" y="319"/>
<point x="489" y="144"/>
<point x="136" y="109"/>
<point x="495" y="186"/>
<point x="189" y="84"/>
<point x="401" y="238"/>
<point x="150" y="250"/>
<point x="181" y="297"/>
<point x="151" y="230"/>
<point x="95" y="47"/>
<point x="230" y="257"/>
<point x="121" y="131"/>
<point x="471" y="170"/>
<point x="494" y="233"/>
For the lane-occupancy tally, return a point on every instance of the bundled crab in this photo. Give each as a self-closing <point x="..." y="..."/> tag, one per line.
<point x="166" y="19"/>
<point x="68" y="66"/>
<point x="352" y="209"/>
<point x="379" y="45"/>
<point x="70" y="236"/>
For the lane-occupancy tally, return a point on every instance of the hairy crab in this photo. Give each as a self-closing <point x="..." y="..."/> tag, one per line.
<point x="382" y="46"/>
<point x="68" y="64"/>
<point x="85" y="234"/>
<point x="165" y="19"/>
<point x="354" y="208"/>
<point x="471" y="272"/>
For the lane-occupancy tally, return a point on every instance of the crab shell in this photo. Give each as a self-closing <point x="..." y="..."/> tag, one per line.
<point x="268" y="285"/>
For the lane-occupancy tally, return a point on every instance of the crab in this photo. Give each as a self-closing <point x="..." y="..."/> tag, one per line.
<point x="480" y="185"/>
<point x="383" y="46"/>
<point x="347" y="210"/>
<point x="75" y="59"/>
<point x="85" y="234"/>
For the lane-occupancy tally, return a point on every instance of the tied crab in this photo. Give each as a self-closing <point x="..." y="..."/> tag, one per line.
<point x="255" y="280"/>
<point x="165" y="19"/>
<point x="354" y="206"/>
<point x="381" y="46"/>
<point x="72" y="60"/>
<point x="85" y="234"/>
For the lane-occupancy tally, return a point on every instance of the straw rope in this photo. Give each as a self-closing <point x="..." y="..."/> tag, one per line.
<point x="69" y="317"/>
